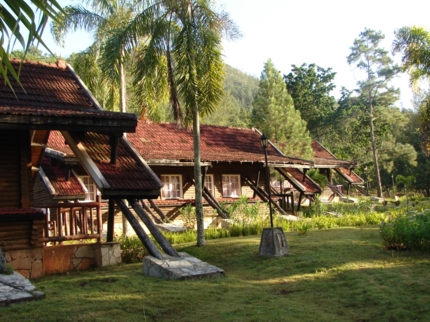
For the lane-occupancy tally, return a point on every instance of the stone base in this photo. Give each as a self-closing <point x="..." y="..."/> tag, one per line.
<point x="107" y="254"/>
<point x="79" y="257"/>
<point x="184" y="267"/>
<point x="172" y="228"/>
<point x="273" y="243"/>
<point x="27" y="262"/>
<point x="16" y="288"/>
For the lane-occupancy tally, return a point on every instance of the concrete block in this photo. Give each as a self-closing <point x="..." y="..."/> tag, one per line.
<point x="183" y="267"/>
<point x="273" y="243"/>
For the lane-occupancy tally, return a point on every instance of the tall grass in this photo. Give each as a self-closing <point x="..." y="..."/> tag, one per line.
<point x="248" y="219"/>
<point x="242" y="228"/>
<point x="409" y="230"/>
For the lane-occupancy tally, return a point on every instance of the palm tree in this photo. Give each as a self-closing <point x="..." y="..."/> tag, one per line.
<point x="414" y="44"/>
<point x="16" y="14"/>
<point x="186" y="36"/>
<point x="102" y="17"/>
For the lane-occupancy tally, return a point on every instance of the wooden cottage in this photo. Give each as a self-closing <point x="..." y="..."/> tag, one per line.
<point x="53" y="98"/>
<point x="233" y="166"/>
<point x="328" y="164"/>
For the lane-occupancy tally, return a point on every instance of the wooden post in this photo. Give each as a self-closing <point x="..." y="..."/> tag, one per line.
<point x="99" y="218"/>
<point x="258" y="180"/>
<point x="165" y="245"/>
<point x="85" y="220"/>
<point x="71" y="223"/>
<point x="60" y="223"/>
<point x="157" y="209"/>
<point x="148" y="210"/>
<point x="299" y="202"/>
<point x="110" y="223"/>
<point x="47" y="222"/>
<point x="144" y="238"/>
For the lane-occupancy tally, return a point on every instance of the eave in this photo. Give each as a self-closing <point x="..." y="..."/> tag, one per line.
<point x="175" y="163"/>
<point x="83" y="124"/>
<point x="130" y="194"/>
<point x="289" y="165"/>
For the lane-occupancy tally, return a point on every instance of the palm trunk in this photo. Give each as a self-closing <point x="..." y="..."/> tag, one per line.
<point x="122" y="91"/>
<point x="123" y="106"/>
<point x="174" y="100"/>
<point x="198" y="179"/>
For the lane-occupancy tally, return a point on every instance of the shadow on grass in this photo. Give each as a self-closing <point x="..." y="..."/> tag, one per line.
<point x="333" y="275"/>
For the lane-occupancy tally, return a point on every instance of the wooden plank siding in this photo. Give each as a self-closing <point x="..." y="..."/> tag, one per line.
<point x="26" y="174"/>
<point x="217" y="170"/>
<point x="41" y="193"/>
<point x="21" y="234"/>
<point x="38" y="143"/>
<point x="10" y="169"/>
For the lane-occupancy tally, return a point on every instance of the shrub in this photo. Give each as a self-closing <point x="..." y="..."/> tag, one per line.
<point x="132" y="250"/>
<point x="409" y="230"/>
<point x="188" y="215"/>
<point x="318" y="208"/>
<point x="241" y="211"/>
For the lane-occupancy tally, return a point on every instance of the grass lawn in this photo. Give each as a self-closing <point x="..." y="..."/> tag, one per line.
<point x="339" y="274"/>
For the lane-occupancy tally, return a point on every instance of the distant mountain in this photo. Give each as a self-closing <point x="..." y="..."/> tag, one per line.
<point x="241" y="86"/>
<point x="239" y="92"/>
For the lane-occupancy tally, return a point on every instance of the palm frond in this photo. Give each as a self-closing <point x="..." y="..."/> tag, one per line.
<point x="17" y="14"/>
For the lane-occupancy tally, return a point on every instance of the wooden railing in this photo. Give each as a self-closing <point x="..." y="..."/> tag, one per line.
<point x="72" y="221"/>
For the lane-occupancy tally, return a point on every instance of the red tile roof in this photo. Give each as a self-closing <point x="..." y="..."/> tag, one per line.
<point x="54" y="90"/>
<point x="57" y="143"/>
<point x="57" y="175"/>
<point x="164" y="141"/>
<point x="127" y="174"/>
<point x="351" y="176"/>
<point x="310" y="186"/>
<point x="324" y="158"/>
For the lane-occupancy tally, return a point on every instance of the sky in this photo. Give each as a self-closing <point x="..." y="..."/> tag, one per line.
<point x="293" y="32"/>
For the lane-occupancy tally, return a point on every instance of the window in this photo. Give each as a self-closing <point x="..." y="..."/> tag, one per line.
<point x="209" y="183"/>
<point x="172" y="188"/>
<point x="231" y="185"/>
<point x="91" y="188"/>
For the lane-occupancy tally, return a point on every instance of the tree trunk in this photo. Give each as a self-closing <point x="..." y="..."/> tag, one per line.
<point x="123" y="106"/>
<point x="174" y="99"/>
<point x="122" y="91"/>
<point x="198" y="179"/>
<point x="375" y="154"/>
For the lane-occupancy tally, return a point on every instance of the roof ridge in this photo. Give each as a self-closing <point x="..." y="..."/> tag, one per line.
<point x="61" y="63"/>
<point x="201" y="125"/>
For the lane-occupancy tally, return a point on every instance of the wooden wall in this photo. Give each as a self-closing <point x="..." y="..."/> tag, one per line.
<point x="24" y="234"/>
<point x="249" y="170"/>
<point x="41" y="192"/>
<point x="16" y="189"/>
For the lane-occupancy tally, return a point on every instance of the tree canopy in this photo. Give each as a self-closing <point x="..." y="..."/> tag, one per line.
<point x="368" y="56"/>
<point x="17" y="15"/>
<point x="310" y="87"/>
<point x="414" y="45"/>
<point x="274" y="113"/>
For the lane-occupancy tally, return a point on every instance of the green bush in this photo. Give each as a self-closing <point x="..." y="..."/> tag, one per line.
<point x="409" y="230"/>
<point x="132" y="250"/>
<point x="188" y="215"/>
<point x="241" y="211"/>
<point x="248" y="220"/>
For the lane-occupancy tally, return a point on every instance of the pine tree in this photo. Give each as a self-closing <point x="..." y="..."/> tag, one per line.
<point x="379" y="70"/>
<point x="274" y="114"/>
